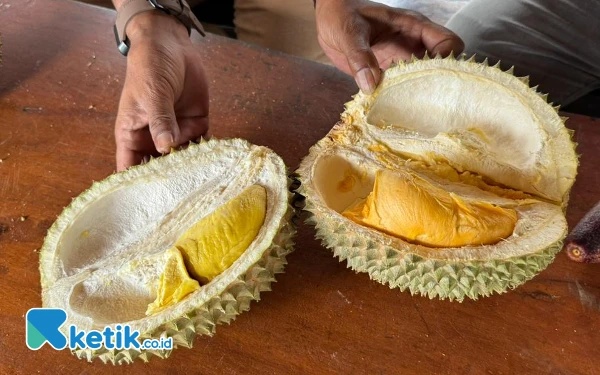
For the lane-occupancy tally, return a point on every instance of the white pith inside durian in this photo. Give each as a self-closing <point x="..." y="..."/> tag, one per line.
<point x="474" y="117"/>
<point x="539" y="223"/>
<point x="104" y="256"/>
<point x="475" y="130"/>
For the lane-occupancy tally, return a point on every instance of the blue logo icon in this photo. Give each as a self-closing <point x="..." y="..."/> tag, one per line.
<point x="42" y="325"/>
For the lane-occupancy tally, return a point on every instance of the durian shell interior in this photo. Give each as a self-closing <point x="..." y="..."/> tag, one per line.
<point x="102" y="258"/>
<point x="474" y="129"/>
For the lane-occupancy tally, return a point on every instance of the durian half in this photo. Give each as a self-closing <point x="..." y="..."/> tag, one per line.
<point x="103" y="258"/>
<point x="449" y="181"/>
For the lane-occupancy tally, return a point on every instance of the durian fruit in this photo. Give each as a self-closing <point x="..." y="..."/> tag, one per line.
<point x="172" y="247"/>
<point x="449" y="181"/>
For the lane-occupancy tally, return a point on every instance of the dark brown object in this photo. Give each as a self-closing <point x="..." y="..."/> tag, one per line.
<point x="320" y="318"/>
<point x="583" y="243"/>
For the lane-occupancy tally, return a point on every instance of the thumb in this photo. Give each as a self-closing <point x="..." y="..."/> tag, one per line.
<point x="361" y="60"/>
<point x="162" y="124"/>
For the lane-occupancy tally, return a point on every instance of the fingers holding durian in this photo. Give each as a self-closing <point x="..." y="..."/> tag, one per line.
<point x="361" y="37"/>
<point x="164" y="102"/>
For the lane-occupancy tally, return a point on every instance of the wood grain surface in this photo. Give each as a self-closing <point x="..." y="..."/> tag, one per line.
<point x="59" y="87"/>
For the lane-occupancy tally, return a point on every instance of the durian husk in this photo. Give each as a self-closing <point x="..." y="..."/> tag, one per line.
<point x="229" y="299"/>
<point x="221" y="309"/>
<point x="430" y="272"/>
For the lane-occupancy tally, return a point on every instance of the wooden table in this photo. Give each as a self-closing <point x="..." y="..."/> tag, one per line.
<point x="59" y="88"/>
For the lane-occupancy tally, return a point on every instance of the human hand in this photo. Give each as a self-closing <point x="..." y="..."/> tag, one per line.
<point x="164" y="102"/>
<point x="360" y="37"/>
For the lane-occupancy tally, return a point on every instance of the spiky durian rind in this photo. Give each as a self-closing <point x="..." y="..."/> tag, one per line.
<point x="98" y="188"/>
<point x="201" y="320"/>
<point x="561" y="143"/>
<point x="219" y="309"/>
<point x="433" y="278"/>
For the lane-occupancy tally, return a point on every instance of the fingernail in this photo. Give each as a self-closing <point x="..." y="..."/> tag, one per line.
<point x="365" y="81"/>
<point x="164" y="142"/>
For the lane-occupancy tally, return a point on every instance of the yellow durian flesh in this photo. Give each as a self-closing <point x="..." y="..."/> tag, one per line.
<point x="215" y="242"/>
<point x="474" y="118"/>
<point x="474" y="131"/>
<point x="407" y="206"/>
<point x="175" y="283"/>
<point x="111" y="274"/>
<point x="211" y="246"/>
